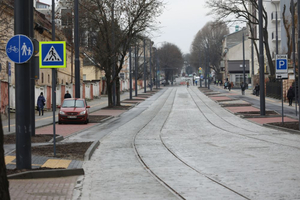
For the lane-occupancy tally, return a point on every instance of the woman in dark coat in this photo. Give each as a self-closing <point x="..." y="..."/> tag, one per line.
<point x="290" y="95"/>
<point x="41" y="103"/>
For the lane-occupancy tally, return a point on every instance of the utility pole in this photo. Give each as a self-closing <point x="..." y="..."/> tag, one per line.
<point x="76" y="42"/>
<point x="136" y="68"/>
<point x="294" y="48"/>
<point x="261" y="61"/>
<point x="298" y="25"/>
<point x="53" y="81"/>
<point x="22" y="81"/>
<point x="244" y="79"/>
<point x="130" y="75"/>
<point x="150" y="66"/>
<point x="145" y="71"/>
<point x="113" y="54"/>
<point x="32" y="73"/>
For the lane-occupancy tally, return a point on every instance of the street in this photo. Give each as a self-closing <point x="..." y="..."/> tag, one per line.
<point x="185" y="146"/>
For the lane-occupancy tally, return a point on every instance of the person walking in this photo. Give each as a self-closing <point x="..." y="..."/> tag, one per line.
<point x="41" y="103"/>
<point x="290" y="95"/>
<point x="243" y="88"/>
<point x="229" y="85"/>
<point x="187" y="83"/>
<point x="257" y="89"/>
<point x="67" y="95"/>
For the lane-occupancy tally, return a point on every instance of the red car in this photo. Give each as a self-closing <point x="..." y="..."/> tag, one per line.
<point x="73" y="110"/>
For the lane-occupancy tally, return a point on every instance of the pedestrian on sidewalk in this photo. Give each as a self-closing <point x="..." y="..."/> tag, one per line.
<point x="290" y="95"/>
<point x="243" y="88"/>
<point x="257" y="89"/>
<point x="41" y="103"/>
<point x="229" y="85"/>
<point x="67" y="95"/>
<point x="187" y="83"/>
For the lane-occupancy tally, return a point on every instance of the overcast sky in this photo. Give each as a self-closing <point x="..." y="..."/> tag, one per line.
<point x="180" y="22"/>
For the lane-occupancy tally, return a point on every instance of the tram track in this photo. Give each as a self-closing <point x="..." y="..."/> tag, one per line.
<point x="238" y="127"/>
<point x="170" y="103"/>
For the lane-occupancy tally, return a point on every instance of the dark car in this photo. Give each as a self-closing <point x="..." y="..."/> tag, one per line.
<point x="73" y="110"/>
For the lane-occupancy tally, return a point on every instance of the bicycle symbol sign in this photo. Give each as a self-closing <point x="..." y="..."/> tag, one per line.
<point x="19" y="49"/>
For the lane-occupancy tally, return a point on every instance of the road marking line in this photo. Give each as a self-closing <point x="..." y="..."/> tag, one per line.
<point x="56" y="163"/>
<point x="9" y="159"/>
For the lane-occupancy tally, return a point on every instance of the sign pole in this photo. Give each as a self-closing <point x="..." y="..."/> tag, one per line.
<point x="282" y="100"/>
<point x="22" y="82"/>
<point x="9" y="77"/>
<point x="53" y="81"/>
<point x="281" y="73"/>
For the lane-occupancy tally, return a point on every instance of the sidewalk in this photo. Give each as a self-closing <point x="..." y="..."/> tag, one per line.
<point x="44" y="126"/>
<point x="236" y="106"/>
<point x="61" y="187"/>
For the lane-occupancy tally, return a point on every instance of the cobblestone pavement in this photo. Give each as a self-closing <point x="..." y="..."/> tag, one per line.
<point x="186" y="146"/>
<point x="183" y="145"/>
<point x="38" y="189"/>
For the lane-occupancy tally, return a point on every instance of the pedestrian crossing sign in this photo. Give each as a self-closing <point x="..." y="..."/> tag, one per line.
<point x="52" y="54"/>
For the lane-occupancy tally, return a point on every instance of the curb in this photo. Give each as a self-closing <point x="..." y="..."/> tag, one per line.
<point x="282" y="128"/>
<point x="57" y="139"/>
<point x="259" y="116"/>
<point x="88" y="154"/>
<point x="47" y="174"/>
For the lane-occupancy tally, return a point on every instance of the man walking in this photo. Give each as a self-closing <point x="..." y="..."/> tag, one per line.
<point x="243" y="88"/>
<point x="290" y="95"/>
<point x="67" y="95"/>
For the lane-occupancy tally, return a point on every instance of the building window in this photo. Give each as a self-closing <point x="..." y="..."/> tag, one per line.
<point x="62" y="81"/>
<point x="48" y="78"/>
<point x="84" y="77"/>
<point x="42" y="77"/>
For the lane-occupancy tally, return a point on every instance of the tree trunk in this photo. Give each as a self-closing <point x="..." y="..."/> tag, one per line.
<point x="118" y="93"/>
<point x="4" y="185"/>
<point x="109" y="91"/>
<point x="268" y="54"/>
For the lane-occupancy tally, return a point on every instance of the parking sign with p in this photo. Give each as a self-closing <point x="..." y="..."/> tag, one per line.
<point x="281" y="64"/>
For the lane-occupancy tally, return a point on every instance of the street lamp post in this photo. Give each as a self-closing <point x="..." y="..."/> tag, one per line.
<point x="298" y="8"/>
<point x="145" y="84"/>
<point x="261" y="61"/>
<point x="136" y="67"/>
<point x="293" y="44"/>
<point x="150" y="66"/>
<point x="244" y="78"/>
<point x="130" y="75"/>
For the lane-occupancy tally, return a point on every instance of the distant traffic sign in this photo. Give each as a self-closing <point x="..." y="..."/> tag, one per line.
<point x="281" y="64"/>
<point x="52" y="54"/>
<point x="19" y="49"/>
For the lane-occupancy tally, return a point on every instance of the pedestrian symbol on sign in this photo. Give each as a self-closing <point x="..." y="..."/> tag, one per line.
<point x="52" y="56"/>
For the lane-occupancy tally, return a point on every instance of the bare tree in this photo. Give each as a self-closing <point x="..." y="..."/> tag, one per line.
<point x="208" y="45"/>
<point x="112" y="25"/>
<point x="243" y="11"/>
<point x="170" y="60"/>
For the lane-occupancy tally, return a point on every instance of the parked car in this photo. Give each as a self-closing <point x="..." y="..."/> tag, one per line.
<point x="73" y="110"/>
